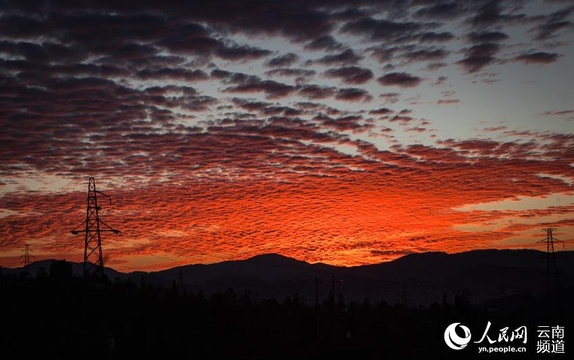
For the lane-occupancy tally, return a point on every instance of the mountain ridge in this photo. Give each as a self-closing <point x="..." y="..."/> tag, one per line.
<point x="419" y="278"/>
<point x="280" y="259"/>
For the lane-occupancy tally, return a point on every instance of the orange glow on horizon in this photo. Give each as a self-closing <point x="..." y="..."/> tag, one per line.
<point x="358" y="220"/>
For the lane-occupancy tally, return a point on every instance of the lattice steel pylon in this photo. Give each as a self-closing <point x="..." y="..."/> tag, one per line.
<point x="27" y="255"/>
<point x="552" y="271"/>
<point x="94" y="226"/>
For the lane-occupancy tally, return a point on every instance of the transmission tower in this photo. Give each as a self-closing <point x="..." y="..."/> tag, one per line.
<point x="551" y="268"/>
<point x="94" y="226"/>
<point x="26" y="251"/>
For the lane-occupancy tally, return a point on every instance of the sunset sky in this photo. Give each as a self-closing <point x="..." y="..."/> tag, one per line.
<point x="346" y="132"/>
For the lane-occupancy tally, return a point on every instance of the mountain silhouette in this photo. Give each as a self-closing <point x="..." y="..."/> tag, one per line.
<point x="417" y="279"/>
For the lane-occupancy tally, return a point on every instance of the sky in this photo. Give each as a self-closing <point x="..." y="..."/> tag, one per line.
<point x="346" y="132"/>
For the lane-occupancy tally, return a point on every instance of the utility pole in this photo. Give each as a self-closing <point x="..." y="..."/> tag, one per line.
<point x="93" y="227"/>
<point x="317" y="322"/>
<point x="334" y="319"/>
<point x="316" y="291"/>
<point x="333" y="303"/>
<point x="404" y="297"/>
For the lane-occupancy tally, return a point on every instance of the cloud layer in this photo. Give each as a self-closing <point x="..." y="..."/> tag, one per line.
<point x="226" y="129"/>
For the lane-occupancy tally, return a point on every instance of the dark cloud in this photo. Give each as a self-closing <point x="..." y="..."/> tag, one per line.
<point x="495" y="128"/>
<point x="441" y="11"/>
<point x="426" y="55"/>
<point x="401" y="79"/>
<point x="487" y="14"/>
<point x="56" y="118"/>
<point x="377" y="30"/>
<point x="417" y="129"/>
<point x="316" y="92"/>
<point x="479" y="56"/>
<point x="166" y="90"/>
<point x="346" y="57"/>
<point x="265" y="108"/>
<point x="76" y="28"/>
<point x="245" y="83"/>
<point x="432" y="37"/>
<point x="441" y="80"/>
<point x="229" y="77"/>
<point x="351" y="74"/>
<point x="515" y="151"/>
<point x="436" y="66"/>
<point x="381" y="111"/>
<point x="189" y="38"/>
<point x="241" y="53"/>
<point x="384" y="53"/>
<point x="290" y="72"/>
<point x="490" y="13"/>
<point x="487" y="36"/>
<point x="326" y="42"/>
<point x="203" y="46"/>
<point x="448" y="101"/>
<point x="133" y="55"/>
<point x="283" y="60"/>
<point x="537" y="58"/>
<point x="410" y="52"/>
<point x="390" y="97"/>
<point x="553" y="23"/>
<point x="403" y="119"/>
<point x="46" y="52"/>
<point x="345" y="123"/>
<point x="272" y="89"/>
<point x="18" y="25"/>
<point x="297" y="23"/>
<point x="557" y="113"/>
<point x="353" y="94"/>
<point x="171" y="73"/>
<point x="198" y="103"/>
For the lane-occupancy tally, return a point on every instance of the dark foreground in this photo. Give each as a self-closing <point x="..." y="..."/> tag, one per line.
<point x="58" y="315"/>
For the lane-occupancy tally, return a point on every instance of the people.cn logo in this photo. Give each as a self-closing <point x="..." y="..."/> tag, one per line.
<point x="453" y="340"/>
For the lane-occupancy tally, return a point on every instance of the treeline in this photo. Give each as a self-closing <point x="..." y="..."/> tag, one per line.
<point x="58" y="314"/>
